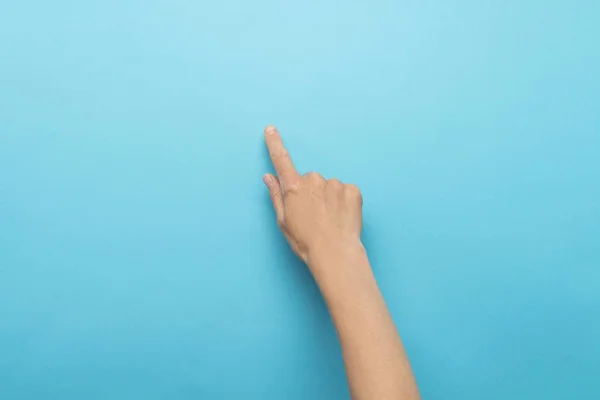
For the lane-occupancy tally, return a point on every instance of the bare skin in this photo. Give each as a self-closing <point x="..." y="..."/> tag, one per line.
<point x="322" y="221"/>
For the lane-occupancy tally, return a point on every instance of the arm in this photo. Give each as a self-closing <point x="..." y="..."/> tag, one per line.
<point x="322" y="221"/>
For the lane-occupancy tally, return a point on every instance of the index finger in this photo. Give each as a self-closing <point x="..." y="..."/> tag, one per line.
<point x="279" y="156"/>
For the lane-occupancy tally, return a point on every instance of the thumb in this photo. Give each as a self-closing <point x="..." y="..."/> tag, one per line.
<point x="274" y="187"/>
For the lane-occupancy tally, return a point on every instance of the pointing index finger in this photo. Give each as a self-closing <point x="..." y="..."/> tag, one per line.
<point x="279" y="156"/>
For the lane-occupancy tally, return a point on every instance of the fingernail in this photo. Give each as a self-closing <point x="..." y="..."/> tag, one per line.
<point x="267" y="179"/>
<point x="269" y="130"/>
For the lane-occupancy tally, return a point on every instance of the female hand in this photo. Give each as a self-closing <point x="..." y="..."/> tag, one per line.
<point x="314" y="214"/>
<point x="322" y="221"/>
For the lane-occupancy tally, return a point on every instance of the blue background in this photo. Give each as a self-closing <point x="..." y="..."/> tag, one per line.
<point x="139" y="257"/>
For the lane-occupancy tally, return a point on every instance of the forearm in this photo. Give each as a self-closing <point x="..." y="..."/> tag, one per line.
<point x="322" y="221"/>
<point x="374" y="357"/>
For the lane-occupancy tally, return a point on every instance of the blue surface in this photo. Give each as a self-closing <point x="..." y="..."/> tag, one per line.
<point x="139" y="257"/>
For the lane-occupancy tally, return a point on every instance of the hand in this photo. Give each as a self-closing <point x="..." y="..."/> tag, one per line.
<point x="322" y="220"/>
<point x="313" y="213"/>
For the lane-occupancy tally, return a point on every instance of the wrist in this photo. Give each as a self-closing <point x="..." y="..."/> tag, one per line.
<point x="343" y="273"/>
<point x="330" y="258"/>
<point x="329" y="249"/>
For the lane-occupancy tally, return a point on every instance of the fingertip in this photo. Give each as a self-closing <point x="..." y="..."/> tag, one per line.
<point x="268" y="179"/>
<point x="269" y="130"/>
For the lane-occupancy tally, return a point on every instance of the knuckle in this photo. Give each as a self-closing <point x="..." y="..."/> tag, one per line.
<point x="335" y="182"/>
<point x="281" y="154"/>
<point x="353" y="191"/>
<point x="276" y="194"/>
<point x="352" y="188"/>
<point x="292" y="186"/>
<point x="314" y="177"/>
